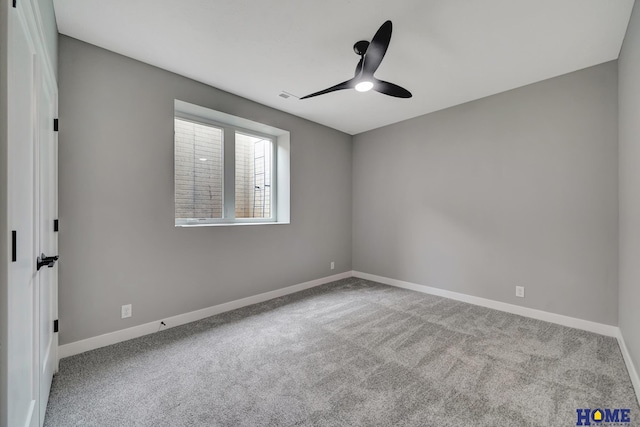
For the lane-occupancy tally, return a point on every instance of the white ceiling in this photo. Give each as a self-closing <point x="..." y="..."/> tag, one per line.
<point x="446" y="52"/>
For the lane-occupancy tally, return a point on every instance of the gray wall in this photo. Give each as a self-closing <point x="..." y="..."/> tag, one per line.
<point x="118" y="243"/>
<point x="519" y="188"/>
<point x="629" y="139"/>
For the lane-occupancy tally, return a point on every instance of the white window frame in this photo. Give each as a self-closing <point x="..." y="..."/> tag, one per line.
<point x="279" y="198"/>
<point x="196" y="120"/>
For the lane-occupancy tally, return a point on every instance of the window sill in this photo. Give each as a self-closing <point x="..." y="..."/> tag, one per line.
<point x="231" y="224"/>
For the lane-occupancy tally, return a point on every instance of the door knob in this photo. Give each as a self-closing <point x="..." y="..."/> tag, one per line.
<point x="43" y="260"/>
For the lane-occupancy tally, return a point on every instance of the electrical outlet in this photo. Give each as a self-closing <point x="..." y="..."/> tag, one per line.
<point x="333" y="265"/>
<point x="126" y="311"/>
<point x="520" y="291"/>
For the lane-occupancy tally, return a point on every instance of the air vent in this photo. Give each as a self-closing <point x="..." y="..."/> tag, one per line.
<point x="284" y="94"/>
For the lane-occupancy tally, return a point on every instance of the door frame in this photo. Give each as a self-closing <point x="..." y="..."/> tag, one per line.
<point x="46" y="113"/>
<point x="28" y="11"/>
<point x="5" y="233"/>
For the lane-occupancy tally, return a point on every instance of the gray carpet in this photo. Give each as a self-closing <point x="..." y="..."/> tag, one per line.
<point x="349" y="353"/>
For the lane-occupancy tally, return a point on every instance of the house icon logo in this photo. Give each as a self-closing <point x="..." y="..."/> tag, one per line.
<point x="597" y="415"/>
<point x="603" y="417"/>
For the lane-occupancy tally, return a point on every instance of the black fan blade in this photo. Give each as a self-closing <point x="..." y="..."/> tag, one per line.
<point x="359" y="67"/>
<point x="377" y="48"/>
<point x="340" y="86"/>
<point x="391" y="89"/>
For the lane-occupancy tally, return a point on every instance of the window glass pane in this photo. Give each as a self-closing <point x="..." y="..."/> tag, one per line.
<point x="253" y="176"/>
<point x="198" y="170"/>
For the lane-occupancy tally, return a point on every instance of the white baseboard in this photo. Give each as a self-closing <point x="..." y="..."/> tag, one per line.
<point x="633" y="373"/>
<point x="92" y="343"/>
<point x="598" y="328"/>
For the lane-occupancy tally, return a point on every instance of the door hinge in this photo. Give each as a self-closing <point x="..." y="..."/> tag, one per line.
<point x="55" y="326"/>
<point x="14" y="246"/>
<point x="55" y="225"/>
<point x="55" y="125"/>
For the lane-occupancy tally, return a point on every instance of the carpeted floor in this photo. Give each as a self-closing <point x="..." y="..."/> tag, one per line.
<point x="349" y="353"/>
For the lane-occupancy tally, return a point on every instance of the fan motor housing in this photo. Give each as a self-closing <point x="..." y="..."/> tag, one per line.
<point x="361" y="47"/>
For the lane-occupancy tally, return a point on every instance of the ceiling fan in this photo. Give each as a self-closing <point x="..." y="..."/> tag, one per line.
<point x="371" y="55"/>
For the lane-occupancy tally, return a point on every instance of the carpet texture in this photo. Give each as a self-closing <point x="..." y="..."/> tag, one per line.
<point x="349" y="353"/>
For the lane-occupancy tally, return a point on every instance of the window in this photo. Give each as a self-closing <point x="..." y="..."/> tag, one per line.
<point x="253" y="176"/>
<point x="198" y="170"/>
<point x="228" y="170"/>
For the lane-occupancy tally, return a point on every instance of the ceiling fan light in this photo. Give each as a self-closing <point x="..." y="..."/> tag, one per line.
<point x="364" y="86"/>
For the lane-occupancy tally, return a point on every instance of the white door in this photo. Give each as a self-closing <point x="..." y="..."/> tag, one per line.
<point x="23" y="391"/>
<point x="32" y="196"/>
<point x="48" y="244"/>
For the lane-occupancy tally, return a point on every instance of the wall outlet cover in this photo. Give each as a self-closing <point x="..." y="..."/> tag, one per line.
<point x="520" y="291"/>
<point x="126" y="311"/>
